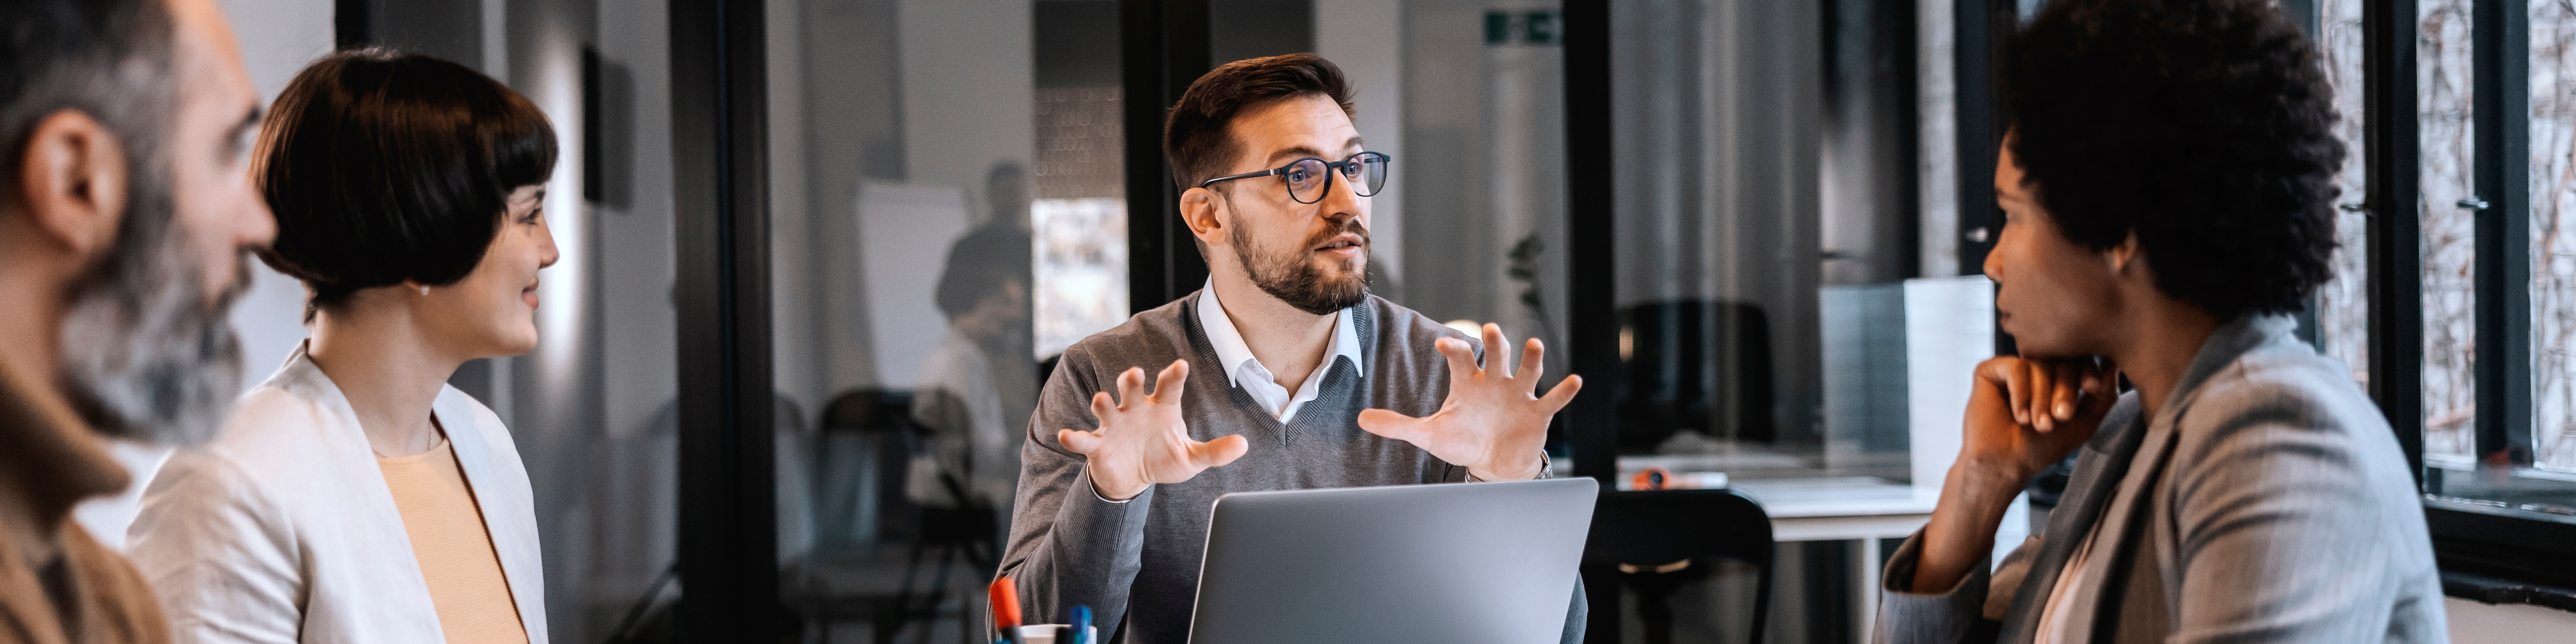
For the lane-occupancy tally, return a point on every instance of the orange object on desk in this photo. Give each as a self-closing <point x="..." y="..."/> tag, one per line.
<point x="1653" y="478"/>
<point x="1006" y="604"/>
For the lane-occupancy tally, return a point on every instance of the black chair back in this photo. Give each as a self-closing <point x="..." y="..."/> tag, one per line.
<point x="1697" y="365"/>
<point x="1650" y="543"/>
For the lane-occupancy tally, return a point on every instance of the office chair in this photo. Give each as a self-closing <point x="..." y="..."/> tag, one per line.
<point x="868" y="504"/>
<point x="1695" y="365"/>
<point x="1653" y="544"/>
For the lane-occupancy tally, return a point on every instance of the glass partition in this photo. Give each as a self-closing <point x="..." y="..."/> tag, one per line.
<point x="945" y="209"/>
<point x="1768" y="241"/>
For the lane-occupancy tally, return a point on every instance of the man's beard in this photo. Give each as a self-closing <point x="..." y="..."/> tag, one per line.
<point x="145" y="354"/>
<point x="1291" y="274"/>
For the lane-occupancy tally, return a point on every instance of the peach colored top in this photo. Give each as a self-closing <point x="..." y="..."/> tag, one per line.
<point x="454" y="547"/>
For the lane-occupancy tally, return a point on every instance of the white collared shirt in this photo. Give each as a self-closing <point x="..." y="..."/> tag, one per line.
<point x="1245" y="371"/>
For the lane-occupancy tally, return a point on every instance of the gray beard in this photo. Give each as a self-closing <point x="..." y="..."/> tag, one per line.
<point x="144" y="354"/>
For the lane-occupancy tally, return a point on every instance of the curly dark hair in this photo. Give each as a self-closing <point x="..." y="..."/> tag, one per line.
<point x="2203" y="126"/>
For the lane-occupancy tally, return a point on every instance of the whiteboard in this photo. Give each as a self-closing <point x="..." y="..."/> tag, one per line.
<point x="904" y="235"/>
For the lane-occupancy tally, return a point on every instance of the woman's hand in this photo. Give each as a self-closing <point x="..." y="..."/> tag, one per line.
<point x="2023" y="415"/>
<point x="2026" y="414"/>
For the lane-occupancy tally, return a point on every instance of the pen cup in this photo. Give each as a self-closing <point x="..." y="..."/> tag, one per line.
<point x="1045" y="634"/>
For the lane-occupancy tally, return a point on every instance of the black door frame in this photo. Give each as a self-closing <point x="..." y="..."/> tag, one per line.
<point x="719" y="134"/>
<point x="1163" y="47"/>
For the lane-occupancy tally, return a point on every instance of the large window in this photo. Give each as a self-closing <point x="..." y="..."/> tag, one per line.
<point x="2459" y="114"/>
<point x="2553" y="235"/>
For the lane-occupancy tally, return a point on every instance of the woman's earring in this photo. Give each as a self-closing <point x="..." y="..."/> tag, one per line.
<point x="424" y="290"/>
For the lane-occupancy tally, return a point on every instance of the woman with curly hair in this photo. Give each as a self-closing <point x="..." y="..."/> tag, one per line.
<point x="2168" y="188"/>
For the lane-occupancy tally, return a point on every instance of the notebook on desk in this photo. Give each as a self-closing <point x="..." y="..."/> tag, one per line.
<point x="1465" y="563"/>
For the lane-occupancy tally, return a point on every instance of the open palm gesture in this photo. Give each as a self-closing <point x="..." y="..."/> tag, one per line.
<point x="1142" y="440"/>
<point x="1492" y="422"/>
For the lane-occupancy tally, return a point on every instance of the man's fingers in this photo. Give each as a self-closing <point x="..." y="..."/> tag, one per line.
<point x="1083" y="443"/>
<point x="1167" y="385"/>
<point x="1531" y="365"/>
<point x="1131" y="386"/>
<point x="1390" y="424"/>
<point x="1561" y="394"/>
<point x="1101" y="405"/>
<point x="1217" y="453"/>
<point x="1494" y="348"/>
<point x="1462" y="357"/>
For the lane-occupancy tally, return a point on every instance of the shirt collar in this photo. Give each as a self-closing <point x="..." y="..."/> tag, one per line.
<point x="1232" y="352"/>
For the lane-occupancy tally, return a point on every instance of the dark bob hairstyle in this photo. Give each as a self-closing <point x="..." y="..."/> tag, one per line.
<point x="2202" y="126"/>
<point x="385" y="167"/>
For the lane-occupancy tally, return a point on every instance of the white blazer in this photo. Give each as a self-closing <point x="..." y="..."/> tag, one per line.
<point x="281" y="529"/>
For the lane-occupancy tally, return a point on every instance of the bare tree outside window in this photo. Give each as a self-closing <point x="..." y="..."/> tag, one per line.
<point x="2444" y="79"/>
<point x="2553" y="234"/>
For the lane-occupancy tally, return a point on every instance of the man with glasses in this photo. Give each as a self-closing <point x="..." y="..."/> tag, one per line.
<point x="1282" y="373"/>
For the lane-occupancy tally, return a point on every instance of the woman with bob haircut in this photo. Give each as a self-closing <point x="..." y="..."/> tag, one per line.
<point x="354" y="496"/>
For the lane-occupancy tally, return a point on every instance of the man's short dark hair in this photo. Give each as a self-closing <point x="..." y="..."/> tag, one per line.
<point x="2202" y="126"/>
<point x="1197" y="139"/>
<point x="109" y="59"/>
<point x="385" y="167"/>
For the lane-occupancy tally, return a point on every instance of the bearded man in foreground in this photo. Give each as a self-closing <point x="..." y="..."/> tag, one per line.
<point x="125" y="213"/>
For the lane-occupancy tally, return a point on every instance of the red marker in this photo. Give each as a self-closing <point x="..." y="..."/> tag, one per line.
<point x="1006" y="608"/>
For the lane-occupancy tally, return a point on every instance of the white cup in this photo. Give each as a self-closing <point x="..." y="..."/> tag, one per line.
<point x="1045" y="634"/>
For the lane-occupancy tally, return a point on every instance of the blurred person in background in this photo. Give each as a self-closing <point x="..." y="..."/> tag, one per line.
<point x="2168" y="195"/>
<point x="355" y="497"/>
<point x="125" y="208"/>
<point x="973" y="460"/>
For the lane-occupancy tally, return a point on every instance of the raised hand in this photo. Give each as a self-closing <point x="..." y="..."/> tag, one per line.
<point x="1491" y="422"/>
<point x="1141" y="440"/>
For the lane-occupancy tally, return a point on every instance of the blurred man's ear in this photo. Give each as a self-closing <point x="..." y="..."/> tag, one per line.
<point x="71" y="182"/>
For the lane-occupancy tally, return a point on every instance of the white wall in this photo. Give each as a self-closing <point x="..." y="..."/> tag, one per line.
<point x="2475" y="623"/>
<point x="1365" y="37"/>
<point x="277" y="38"/>
<point x="968" y="79"/>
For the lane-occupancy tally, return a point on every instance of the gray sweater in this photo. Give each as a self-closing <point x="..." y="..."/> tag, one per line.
<point x="1140" y="558"/>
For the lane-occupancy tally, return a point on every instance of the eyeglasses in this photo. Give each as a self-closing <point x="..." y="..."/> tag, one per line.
<point x="1307" y="178"/>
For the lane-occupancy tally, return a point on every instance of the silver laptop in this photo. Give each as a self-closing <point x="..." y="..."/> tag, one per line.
<point x="1464" y="563"/>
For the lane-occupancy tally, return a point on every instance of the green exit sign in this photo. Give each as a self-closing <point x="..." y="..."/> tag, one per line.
<point x="1505" y="28"/>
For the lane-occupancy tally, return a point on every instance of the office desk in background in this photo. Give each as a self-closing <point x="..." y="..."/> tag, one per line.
<point x="1867" y="510"/>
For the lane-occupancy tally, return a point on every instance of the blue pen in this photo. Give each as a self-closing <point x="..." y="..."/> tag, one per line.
<point x="1082" y="625"/>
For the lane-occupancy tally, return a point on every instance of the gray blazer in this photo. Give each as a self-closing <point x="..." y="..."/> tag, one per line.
<point x="2268" y="501"/>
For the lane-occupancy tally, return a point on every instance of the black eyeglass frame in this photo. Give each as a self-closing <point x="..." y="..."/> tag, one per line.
<point x="1331" y="170"/>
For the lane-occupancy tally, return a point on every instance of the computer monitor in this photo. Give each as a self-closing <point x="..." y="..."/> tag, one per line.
<point x="1462" y="563"/>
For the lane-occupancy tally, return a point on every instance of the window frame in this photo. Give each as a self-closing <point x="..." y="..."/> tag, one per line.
<point x="2487" y="556"/>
